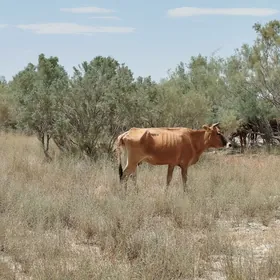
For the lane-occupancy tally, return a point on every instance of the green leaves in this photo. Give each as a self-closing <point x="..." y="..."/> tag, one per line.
<point x="265" y="61"/>
<point x="84" y="113"/>
<point x="37" y="90"/>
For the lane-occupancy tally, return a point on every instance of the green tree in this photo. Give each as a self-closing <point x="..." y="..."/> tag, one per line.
<point x="265" y="61"/>
<point x="7" y="106"/>
<point x="99" y="104"/>
<point x="197" y="90"/>
<point x="38" y="90"/>
<point x="149" y="103"/>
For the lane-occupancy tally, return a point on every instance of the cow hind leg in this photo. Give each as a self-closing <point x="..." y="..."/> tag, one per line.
<point x="245" y="142"/>
<point x="184" y="173"/>
<point x="169" y="176"/>
<point x="242" y="141"/>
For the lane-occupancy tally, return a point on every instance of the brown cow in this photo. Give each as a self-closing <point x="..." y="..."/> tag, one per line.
<point x="177" y="146"/>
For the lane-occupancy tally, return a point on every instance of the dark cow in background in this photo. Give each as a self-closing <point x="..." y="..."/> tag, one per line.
<point x="268" y="129"/>
<point x="244" y="130"/>
<point x="275" y="126"/>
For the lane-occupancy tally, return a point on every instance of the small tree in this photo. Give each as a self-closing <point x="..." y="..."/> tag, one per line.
<point x="7" y="106"/>
<point x="38" y="89"/>
<point x="99" y="104"/>
<point x="265" y="61"/>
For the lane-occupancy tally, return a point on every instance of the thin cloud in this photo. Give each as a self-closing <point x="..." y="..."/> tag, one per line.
<point x="193" y="11"/>
<point x="3" y="25"/>
<point x="73" y="28"/>
<point x="107" y="17"/>
<point x="87" y="10"/>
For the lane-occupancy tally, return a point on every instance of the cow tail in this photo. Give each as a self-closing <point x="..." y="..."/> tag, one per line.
<point x="120" y="171"/>
<point x="119" y="145"/>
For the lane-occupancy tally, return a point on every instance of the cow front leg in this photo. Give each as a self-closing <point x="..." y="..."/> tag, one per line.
<point x="184" y="173"/>
<point x="134" y="179"/>
<point x="123" y="181"/>
<point x="245" y="142"/>
<point x="129" y="169"/>
<point x="169" y="176"/>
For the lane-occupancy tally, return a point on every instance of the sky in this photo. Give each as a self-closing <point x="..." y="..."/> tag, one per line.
<point x="150" y="37"/>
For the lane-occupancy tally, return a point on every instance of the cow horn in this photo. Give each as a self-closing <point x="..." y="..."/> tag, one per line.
<point x="215" y="124"/>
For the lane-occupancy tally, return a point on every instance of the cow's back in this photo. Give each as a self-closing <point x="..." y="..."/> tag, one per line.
<point x="164" y="145"/>
<point x="159" y="134"/>
<point x="161" y="145"/>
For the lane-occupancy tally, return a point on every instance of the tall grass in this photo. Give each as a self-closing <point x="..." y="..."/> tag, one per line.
<point x="70" y="219"/>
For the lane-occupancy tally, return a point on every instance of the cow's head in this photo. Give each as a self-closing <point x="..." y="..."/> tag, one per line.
<point x="214" y="137"/>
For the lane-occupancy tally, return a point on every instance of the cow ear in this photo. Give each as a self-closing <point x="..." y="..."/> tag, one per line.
<point x="206" y="127"/>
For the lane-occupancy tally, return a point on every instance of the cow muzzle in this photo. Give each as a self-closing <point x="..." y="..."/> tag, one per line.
<point x="228" y="145"/>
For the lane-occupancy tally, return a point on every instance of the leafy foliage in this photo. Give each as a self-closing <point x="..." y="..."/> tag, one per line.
<point x="38" y="89"/>
<point x="84" y="113"/>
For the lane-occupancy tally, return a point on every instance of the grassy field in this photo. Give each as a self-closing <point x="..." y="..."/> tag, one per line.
<point x="71" y="220"/>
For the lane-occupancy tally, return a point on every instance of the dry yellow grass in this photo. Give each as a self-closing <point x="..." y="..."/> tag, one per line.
<point x="70" y="219"/>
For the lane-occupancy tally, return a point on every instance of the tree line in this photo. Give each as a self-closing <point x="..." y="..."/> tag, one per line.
<point x="84" y="113"/>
